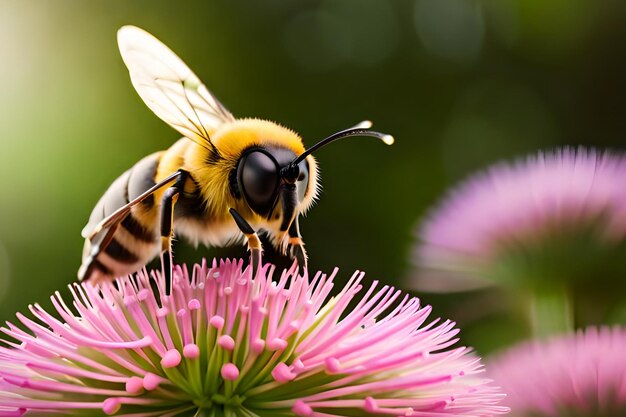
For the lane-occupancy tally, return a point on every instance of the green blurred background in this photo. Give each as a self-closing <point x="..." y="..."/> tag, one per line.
<point x="459" y="83"/>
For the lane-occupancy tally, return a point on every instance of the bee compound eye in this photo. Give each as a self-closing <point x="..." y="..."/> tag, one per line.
<point x="258" y="180"/>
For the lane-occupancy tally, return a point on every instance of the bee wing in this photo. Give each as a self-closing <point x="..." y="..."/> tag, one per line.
<point x="169" y="88"/>
<point x="118" y="215"/>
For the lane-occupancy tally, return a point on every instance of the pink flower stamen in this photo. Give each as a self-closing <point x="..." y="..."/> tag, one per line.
<point x="224" y="339"/>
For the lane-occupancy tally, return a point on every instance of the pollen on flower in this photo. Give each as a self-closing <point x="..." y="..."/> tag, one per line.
<point x="225" y="343"/>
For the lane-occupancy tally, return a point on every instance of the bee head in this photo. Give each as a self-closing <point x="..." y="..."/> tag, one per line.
<point x="266" y="176"/>
<point x="261" y="182"/>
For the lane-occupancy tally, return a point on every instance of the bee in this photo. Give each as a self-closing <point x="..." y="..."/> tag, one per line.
<point x="224" y="175"/>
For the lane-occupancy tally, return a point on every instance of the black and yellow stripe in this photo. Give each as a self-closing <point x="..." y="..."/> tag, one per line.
<point x="135" y="240"/>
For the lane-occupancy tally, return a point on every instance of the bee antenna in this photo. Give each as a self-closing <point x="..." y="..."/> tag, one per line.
<point x="361" y="129"/>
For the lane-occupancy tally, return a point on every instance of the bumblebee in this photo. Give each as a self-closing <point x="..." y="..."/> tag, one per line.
<point x="224" y="175"/>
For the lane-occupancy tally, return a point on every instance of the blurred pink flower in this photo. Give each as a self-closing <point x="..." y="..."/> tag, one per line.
<point x="227" y="344"/>
<point x="520" y="207"/>
<point x="582" y="374"/>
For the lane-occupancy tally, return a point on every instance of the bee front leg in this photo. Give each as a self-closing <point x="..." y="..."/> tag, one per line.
<point x="254" y="243"/>
<point x="296" y="246"/>
<point x="170" y="198"/>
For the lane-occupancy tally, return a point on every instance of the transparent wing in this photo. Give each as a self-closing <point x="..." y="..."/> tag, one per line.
<point x="171" y="90"/>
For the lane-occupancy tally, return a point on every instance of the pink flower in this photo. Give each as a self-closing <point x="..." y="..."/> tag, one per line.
<point x="582" y="374"/>
<point x="227" y="344"/>
<point x="520" y="221"/>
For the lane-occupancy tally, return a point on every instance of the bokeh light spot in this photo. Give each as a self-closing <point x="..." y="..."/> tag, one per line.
<point x="361" y="32"/>
<point x="373" y="28"/>
<point x="451" y="29"/>
<point x="317" y="40"/>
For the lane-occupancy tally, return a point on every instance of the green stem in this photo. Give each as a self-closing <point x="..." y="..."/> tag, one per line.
<point x="551" y="312"/>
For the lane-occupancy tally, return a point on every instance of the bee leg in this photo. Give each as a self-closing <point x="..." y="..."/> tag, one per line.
<point x="296" y="246"/>
<point x="170" y="197"/>
<point x="254" y="243"/>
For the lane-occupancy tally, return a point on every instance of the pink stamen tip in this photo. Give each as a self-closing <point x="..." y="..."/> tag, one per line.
<point x="370" y="405"/>
<point x="111" y="406"/>
<point x="228" y="290"/>
<point x="230" y="371"/>
<point x="301" y="409"/>
<point x="151" y="381"/>
<point x="194" y="304"/>
<point x="134" y="385"/>
<point x="13" y="413"/>
<point x="162" y="312"/>
<point x="297" y="365"/>
<point x="19" y="382"/>
<point x="282" y="373"/>
<point x="258" y="345"/>
<point x="226" y="342"/>
<point x="277" y="344"/>
<point x="244" y="309"/>
<point x="333" y="365"/>
<point x="143" y="294"/>
<point x="217" y="322"/>
<point x="171" y="359"/>
<point x="191" y="351"/>
<point x="181" y="313"/>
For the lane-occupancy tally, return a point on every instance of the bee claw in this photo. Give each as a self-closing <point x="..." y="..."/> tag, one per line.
<point x="297" y="252"/>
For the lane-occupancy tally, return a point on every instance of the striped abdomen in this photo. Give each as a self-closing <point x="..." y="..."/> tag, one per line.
<point x="137" y="238"/>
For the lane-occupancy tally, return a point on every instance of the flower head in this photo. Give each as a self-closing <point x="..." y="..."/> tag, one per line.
<point x="561" y="214"/>
<point x="582" y="374"/>
<point x="227" y="344"/>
